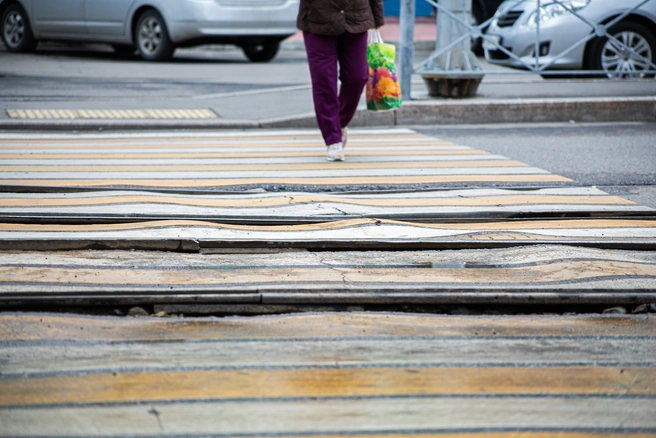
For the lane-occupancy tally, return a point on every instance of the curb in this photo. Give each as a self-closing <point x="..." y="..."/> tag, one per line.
<point x="609" y="109"/>
<point x="123" y="124"/>
<point x="428" y="112"/>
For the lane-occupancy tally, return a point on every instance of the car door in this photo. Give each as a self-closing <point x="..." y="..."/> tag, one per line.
<point x="107" y="17"/>
<point x="61" y="18"/>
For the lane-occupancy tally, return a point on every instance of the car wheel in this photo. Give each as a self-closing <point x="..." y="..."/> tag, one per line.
<point x="152" y="37"/>
<point x="16" y="31"/>
<point x="617" y="62"/>
<point x="264" y="52"/>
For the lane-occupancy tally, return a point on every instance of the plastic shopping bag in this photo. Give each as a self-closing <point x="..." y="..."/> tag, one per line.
<point x="383" y="91"/>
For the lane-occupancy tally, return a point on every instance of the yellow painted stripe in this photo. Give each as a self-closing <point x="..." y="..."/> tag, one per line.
<point x="51" y="327"/>
<point x="534" y="274"/>
<point x="242" y="144"/>
<point x="282" y="135"/>
<point x="194" y="385"/>
<point x="318" y="153"/>
<point x="254" y="167"/>
<point x="277" y="134"/>
<point x="482" y="201"/>
<point x="509" y="226"/>
<point x="300" y="181"/>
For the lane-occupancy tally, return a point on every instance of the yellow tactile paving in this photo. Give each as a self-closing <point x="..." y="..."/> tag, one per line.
<point x="111" y="114"/>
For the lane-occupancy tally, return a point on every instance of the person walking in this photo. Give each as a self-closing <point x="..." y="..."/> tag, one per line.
<point x="335" y="33"/>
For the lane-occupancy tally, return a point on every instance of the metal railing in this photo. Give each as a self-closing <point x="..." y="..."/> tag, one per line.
<point x="537" y="64"/>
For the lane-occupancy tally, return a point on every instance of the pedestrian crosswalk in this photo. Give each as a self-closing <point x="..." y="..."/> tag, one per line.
<point x="277" y="177"/>
<point x="232" y="280"/>
<point x="352" y="233"/>
<point x="290" y="159"/>
<point x="331" y="375"/>
<point x="273" y="190"/>
<point x="299" y="207"/>
<point x="258" y="222"/>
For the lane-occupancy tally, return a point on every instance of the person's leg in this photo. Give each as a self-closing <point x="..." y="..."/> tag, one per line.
<point x="322" y="59"/>
<point x="353" y="73"/>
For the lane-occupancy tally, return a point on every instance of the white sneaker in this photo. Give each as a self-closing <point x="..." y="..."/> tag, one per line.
<point x="335" y="152"/>
<point x="344" y="136"/>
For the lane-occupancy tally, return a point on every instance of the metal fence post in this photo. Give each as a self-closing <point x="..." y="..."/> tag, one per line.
<point x="455" y="72"/>
<point x="406" y="46"/>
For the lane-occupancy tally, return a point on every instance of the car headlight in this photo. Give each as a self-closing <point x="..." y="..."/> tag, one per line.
<point x="553" y="10"/>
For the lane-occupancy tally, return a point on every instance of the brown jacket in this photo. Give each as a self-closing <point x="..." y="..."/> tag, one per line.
<point x="334" y="17"/>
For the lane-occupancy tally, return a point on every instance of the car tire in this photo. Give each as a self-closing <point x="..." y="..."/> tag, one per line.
<point x="604" y="55"/>
<point x="16" y="30"/>
<point x="152" y="37"/>
<point x="264" y="52"/>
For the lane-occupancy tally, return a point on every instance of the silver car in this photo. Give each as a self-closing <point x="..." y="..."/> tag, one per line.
<point x="154" y="28"/>
<point x="565" y="23"/>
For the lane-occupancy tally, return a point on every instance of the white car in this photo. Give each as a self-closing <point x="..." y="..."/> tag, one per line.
<point x="564" y="23"/>
<point x="154" y="28"/>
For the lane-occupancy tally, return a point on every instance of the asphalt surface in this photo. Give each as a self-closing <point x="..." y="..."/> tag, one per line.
<point x="524" y="355"/>
<point x="278" y="94"/>
<point x="618" y="158"/>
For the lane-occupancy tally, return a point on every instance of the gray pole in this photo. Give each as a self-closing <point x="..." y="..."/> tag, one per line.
<point x="406" y="46"/>
<point x="455" y="72"/>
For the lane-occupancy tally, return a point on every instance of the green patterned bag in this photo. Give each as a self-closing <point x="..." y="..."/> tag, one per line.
<point x="383" y="91"/>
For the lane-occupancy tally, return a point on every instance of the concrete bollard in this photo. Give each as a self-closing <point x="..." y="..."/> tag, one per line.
<point x="455" y="72"/>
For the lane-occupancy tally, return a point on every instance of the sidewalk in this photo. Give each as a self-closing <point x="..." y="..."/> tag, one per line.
<point x="504" y="96"/>
<point x="499" y="98"/>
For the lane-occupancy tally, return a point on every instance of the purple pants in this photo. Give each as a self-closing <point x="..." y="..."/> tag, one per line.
<point x="335" y="110"/>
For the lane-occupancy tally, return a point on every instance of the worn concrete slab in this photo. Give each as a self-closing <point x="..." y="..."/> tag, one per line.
<point x="299" y="207"/>
<point x="334" y="374"/>
<point x="544" y="274"/>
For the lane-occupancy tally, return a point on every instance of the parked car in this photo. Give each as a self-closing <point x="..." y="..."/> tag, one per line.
<point x="154" y="28"/>
<point x="515" y="24"/>
<point x="482" y="10"/>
